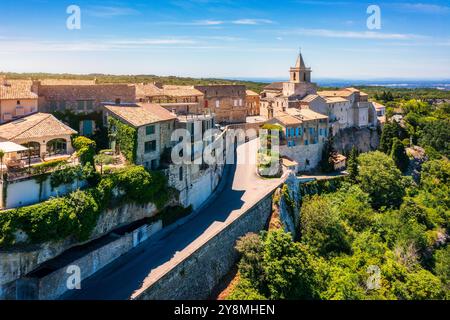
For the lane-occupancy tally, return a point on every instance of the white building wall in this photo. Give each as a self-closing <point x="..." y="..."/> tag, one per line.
<point x="26" y="192"/>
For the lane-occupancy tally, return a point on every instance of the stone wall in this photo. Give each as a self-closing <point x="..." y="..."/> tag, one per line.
<point x="195" y="276"/>
<point x="66" y="97"/>
<point x="308" y="157"/>
<point x="25" y="192"/>
<point x="17" y="263"/>
<point x="364" y="139"/>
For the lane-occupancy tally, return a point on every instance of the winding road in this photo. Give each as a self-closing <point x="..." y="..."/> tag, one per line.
<point x="123" y="279"/>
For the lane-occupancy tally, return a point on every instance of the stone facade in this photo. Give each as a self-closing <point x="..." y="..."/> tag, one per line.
<point x="227" y="102"/>
<point x="83" y="98"/>
<point x="17" y="99"/>
<point x="181" y="100"/>
<point x="252" y="101"/>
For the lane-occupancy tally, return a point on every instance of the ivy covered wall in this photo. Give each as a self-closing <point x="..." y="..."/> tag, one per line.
<point x="125" y="138"/>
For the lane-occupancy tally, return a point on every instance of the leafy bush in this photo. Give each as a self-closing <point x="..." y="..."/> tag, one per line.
<point x="85" y="148"/>
<point x="76" y="214"/>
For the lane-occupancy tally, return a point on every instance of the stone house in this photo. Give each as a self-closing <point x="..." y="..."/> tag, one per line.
<point x="16" y="99"/>
<point x="227" y="102"/>
<point x="43" y="134"/>
<point x="154" y="126"/>
<point x="81" y="97"/>
<point x="252" y="101"/>
<point x="349" y="107"/>
<point x="178" y="99"/>
<point x="303" y="136"/>
<point x="29" y="143"/>
<point x="381" y="112"/>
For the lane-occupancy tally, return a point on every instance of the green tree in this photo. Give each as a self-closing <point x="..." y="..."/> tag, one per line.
<point x="398" y="154"/>
<point x="352" y="165"/>
<point x="85" y="148"/>
<point x="390" y="131"/>
<point x="436" y="134"/>
<point x="423" y="285"/>
<point x="321" y="227"/>
<point x="380" y="178"/>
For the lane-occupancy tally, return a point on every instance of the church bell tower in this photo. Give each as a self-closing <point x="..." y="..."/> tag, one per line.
<point x="300" y="73"/>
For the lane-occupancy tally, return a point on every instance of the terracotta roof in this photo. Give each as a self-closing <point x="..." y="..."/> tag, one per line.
<point x="287" y="119"/>
<point x="336" y="158"/>
<point x="17" y="90"/>
<point x="34" y="126"/>
<point x="288" y="162"/>
<point x="309" y="98"/>
<point x="352" y="89"/>
<point x="66" y="82"/>
<point x="274" y="86"/>
<point x="181" y="91"/>
<point x="378" y="106"/>
<point x="152" y="90"/>
<point x="335" y="93"/>
<point x="141" y="114"/>
<point x="335" y="99"/>
<point x="251" y="93"/>
<point x="308" y="114"/>
<point x="148" y="90"/>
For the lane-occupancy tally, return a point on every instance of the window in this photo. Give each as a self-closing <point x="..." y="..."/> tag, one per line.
<point x="217" y="104"/>
<point x="235" y="103"/>
<point x="80" y="105"/>
<point x="118" y="101"/>
<point x="297" y="132"/>
<point x="150" y="146"/>
<point x="149" y="130"/>
<point x="90" y="105"/>
<point x="311" y="131"/>
<point x="240" y="102"/>
<point x="18" y="102"/>
<point x="306" y="142"/>
<point x="287" y="132"/>
<point x="292" y="132"/>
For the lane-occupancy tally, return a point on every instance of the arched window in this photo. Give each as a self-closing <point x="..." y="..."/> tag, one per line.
<point x="56" y="146"/>
<point x="34" y="150"/>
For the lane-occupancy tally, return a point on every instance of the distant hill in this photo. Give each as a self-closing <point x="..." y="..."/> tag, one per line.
<point x="106" y="78"/>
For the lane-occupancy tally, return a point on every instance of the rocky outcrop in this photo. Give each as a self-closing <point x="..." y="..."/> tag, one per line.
<point x="364" y="139"/>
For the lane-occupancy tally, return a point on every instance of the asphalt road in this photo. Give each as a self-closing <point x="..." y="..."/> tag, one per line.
<point x="136" y="269"/>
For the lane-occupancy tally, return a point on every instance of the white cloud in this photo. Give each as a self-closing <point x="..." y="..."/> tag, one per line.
<point x="207" y="23"/>
<point x="356" y="34"/>
<point x="424" y="8"/>
<point x="252" y="21"/>
<point x="90" y="45"/>
<point x="108" y="12"/>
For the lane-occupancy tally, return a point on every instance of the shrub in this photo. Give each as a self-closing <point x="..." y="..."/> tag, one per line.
<point x="85" y="148"/>
<point x="76" y="214"/>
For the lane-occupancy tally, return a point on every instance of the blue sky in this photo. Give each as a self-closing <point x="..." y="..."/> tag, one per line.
<point x="228" y="38"/>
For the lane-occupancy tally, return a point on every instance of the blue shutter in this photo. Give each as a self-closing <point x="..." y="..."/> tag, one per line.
<point x="287" y="132"/>
<point x="292" y="132"/>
